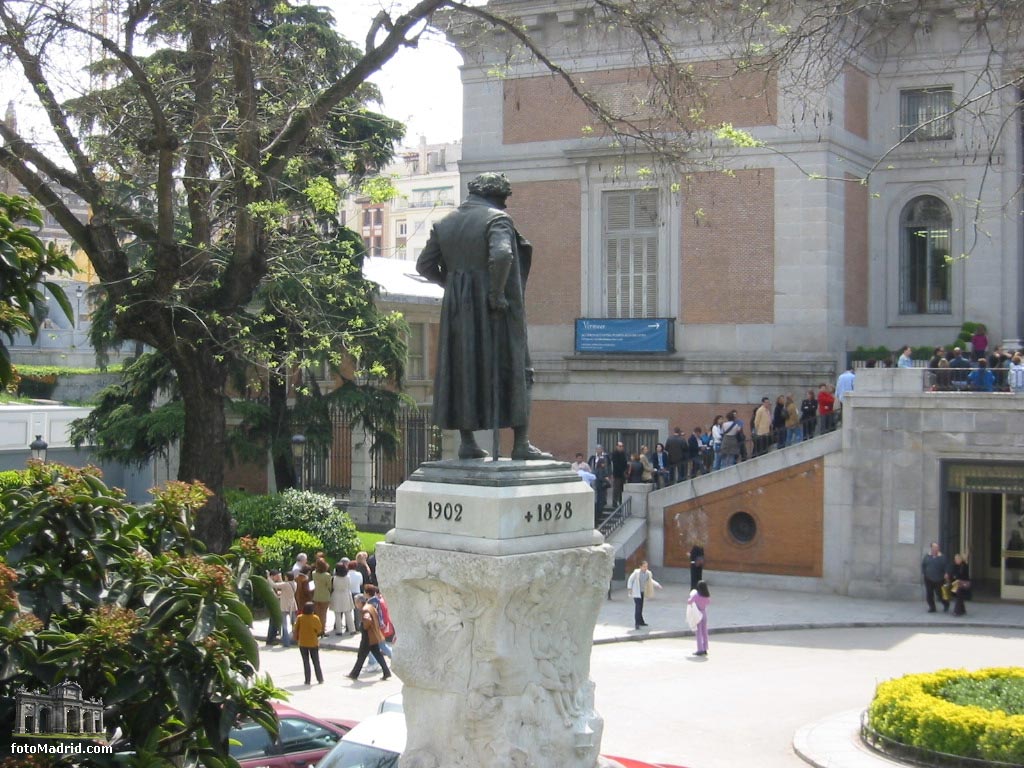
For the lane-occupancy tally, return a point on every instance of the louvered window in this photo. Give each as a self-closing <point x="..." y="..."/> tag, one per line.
<point x="630" y="235"/>
<point x="926" y="114"/>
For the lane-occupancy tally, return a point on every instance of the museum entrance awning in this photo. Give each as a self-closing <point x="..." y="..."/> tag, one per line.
<point x="985" y="478"/>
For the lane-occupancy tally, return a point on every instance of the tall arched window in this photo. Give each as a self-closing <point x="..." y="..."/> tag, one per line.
<point x="925" y="267"/>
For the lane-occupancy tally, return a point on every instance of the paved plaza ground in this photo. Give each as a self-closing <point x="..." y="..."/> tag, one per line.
<point x="760" y="689"/>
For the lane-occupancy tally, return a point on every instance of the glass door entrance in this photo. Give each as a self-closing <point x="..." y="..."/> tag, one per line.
<point x="1012" y="554"/>
<point x="984" y="520"/>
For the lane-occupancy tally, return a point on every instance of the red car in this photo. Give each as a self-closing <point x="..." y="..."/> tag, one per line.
<point x="378" y="742"/>
<point x="301" y="740"/>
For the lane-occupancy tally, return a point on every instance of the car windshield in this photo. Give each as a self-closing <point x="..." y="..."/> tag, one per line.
<point x="348" y="754"/>
<point x="252" y="741"/>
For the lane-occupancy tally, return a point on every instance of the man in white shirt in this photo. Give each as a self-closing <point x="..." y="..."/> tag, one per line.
<point x="579" y="464"/>
<point x="844" y="384"/>
<point x="300" y="563"/>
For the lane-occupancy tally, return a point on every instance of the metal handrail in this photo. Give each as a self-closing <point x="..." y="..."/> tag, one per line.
<point x="617" y="518"/>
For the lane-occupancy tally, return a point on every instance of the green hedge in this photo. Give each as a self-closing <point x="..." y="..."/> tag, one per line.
<point x="264" y="515"/>
<point x="11" y="478"/>
<point x="913" y="710"/>
<point x="279" y="550"/>
<point x="880" y="353"/>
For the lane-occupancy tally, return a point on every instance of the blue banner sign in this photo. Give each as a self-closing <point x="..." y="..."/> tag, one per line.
<point x="655" y="334"/>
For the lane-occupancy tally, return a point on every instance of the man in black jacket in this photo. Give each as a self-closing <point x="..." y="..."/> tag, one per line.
<point x="619" y="463"/>
<point x="678" y="450"/>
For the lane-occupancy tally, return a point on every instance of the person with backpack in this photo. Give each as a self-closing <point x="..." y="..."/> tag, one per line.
<point x="376" y="599"/>
<point x="731" y="429"/>
<point x="370" y="639"/>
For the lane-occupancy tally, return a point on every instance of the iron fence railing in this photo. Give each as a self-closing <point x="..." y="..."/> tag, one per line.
<point x="330" y="470"/>
<point x="617" y="518"/>
<point x="419" y="441"/>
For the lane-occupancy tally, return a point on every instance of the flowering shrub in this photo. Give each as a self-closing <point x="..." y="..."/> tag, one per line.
<point x="122" y="600"/>
<point x="912" y="710"/>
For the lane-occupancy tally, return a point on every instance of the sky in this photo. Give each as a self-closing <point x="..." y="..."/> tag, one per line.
<point x="420" y="86"/>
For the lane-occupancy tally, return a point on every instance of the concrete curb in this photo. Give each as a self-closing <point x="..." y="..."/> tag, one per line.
<point x="834" y="742"/>
<point x="669" y="634"/>
<point x="673" y="633"/>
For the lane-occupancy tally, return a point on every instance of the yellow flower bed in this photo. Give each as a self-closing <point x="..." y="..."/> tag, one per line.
<point x="909" y="710"/>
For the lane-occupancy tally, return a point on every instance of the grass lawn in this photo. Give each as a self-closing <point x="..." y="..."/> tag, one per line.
<point x="368" y="541"/>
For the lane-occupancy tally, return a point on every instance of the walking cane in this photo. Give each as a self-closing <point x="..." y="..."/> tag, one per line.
<point x="495" y="388"/>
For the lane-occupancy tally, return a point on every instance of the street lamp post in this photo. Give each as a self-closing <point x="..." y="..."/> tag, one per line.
<point x="38" y="448"/>
<point x="298" y="451"/>
<point x="79" y="291"/>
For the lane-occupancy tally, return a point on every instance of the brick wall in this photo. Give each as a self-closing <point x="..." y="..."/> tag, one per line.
<point x="788" y="508"/>
<point x="545" y="109"/>
<point x="548" y="215"/>
<point x="855" y="101"/>
<point x="855" y="247"/>
<point x="248" y="476"/>
<point x="728" y="248"/>
<point x="560" y="427"/>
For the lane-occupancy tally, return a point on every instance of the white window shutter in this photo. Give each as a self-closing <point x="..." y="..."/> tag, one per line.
<point x="631" y="233"/>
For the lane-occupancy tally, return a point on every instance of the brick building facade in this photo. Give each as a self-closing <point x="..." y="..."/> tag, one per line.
<point x="772" y="261"/>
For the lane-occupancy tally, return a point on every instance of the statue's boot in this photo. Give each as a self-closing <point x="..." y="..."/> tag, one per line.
<point x="522" y="450"/>
<point x="468" y="449"/>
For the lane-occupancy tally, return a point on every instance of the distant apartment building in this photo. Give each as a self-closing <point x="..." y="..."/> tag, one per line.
<point x="63" y="340"/>
<point x="427" y="179"/>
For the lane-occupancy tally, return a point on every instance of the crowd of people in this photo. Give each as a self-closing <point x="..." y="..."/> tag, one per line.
<point x="727" y="440"/>
<point x="998" y="371"/>
<point x="730" y="439"/>
<point x="306" y="593"/>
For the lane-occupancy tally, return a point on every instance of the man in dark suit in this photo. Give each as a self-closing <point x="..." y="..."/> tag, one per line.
<point x="678" y="450"/>
<point x="961" y="369"/>
<point x="619" y="463"/>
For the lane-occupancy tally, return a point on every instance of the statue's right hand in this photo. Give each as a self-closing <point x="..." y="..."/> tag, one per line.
<point x="497" y="303"/>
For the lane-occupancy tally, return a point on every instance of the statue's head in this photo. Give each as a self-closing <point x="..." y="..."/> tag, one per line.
<point x="491" y="185"/>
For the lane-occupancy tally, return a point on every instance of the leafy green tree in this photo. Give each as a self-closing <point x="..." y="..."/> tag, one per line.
<point x="121" y="600"/>
<point x="210" y="164"/>
<point x="25" y="263"/>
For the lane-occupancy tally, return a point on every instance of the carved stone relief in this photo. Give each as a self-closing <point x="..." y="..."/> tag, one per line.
<point x="495" y="654"/>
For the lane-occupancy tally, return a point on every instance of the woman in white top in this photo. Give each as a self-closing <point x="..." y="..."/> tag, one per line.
<point x="355" y="581"/>
<point x="716" y="442"/>
<point x="341" y="600"/>
<point x="641" y="585"/>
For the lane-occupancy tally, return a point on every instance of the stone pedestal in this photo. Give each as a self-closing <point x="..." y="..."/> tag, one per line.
<point x="494" y="578"/>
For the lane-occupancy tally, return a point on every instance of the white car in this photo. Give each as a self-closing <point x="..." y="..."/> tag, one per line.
<point x="392" y="703"/>
<point x="376" y="742"/>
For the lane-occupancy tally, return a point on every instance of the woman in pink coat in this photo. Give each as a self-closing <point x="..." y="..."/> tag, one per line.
<point x="700" y="597"/>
